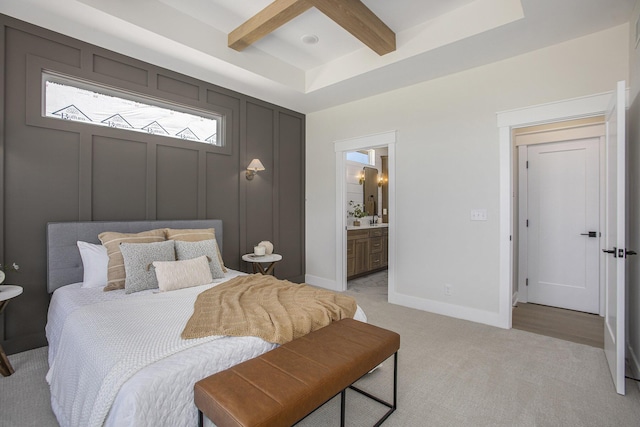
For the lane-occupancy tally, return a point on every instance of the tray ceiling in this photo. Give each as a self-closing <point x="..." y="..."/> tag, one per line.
<point x="433" y="38"/>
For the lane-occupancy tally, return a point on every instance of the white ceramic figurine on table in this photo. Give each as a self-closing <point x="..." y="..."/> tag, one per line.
<point x="268" y="246"/>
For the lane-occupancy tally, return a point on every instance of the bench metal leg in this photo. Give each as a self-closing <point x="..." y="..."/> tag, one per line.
<point x="392" y="406"/>
<point x="200" y="419"/>
<point x="343" y="399"/>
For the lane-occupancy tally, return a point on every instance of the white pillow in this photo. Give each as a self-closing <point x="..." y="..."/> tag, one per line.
<point x="173" y="275"/>
<point x="94" y="261"/>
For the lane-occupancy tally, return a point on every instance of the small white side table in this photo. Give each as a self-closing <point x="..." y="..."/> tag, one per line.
<point x="6" y="293"/>
<point x="257" y="261"/>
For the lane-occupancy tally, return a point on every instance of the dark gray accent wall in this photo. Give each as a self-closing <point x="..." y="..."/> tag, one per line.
<point x="54" y="170"/>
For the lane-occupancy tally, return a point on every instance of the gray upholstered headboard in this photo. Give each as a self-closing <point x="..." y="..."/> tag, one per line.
<point x="64" y="265"/>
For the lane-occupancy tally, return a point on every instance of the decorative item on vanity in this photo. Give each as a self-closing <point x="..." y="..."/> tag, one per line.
<point x="259" y="250"/>
<point x="7" y="268"/>
<point x="357" y="211"/>
<point x="268" y="246"/>
<point x="253" y="168"/>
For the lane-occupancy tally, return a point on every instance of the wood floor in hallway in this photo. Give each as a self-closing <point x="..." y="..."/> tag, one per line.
<point x="569" y="325"/>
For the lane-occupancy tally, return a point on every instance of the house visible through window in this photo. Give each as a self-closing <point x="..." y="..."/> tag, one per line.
<point x="80" y="101"/>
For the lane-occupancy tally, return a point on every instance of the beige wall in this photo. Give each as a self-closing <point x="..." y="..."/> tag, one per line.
<point x="633" y="211"/>
<point x="447" y="163"/>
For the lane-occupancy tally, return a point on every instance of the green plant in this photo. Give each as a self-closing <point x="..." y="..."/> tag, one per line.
<point x="6" y="268"/>
<point x="9" y="267"/>
<point x="356" y="210"/>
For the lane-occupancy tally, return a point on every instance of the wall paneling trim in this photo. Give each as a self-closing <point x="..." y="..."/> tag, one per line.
<point x="57" y="170"/>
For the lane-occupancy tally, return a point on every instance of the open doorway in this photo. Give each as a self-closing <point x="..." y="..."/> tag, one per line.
<point x="508" y="121"/>
<point x="559" y="206"/>
<point x="367" y="183"/>
<point x="369" y="252"/>
<point x="612" y="105"/>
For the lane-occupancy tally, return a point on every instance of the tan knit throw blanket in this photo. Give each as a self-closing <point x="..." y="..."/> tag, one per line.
<point x="275" y="310"/>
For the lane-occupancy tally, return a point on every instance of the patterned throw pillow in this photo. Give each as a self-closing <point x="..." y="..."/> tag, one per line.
<point x="208" y="248"/>
<point x="138" y="263"/>
<point x="111" y="240"/>
<point x="173" y="275"/>
<point x="194" y="235"/>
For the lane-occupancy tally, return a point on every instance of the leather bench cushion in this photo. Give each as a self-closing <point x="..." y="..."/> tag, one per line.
<point x="282" y="386"/>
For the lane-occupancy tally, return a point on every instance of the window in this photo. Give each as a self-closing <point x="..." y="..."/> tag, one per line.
<point x="80" y="101"/>
<point x="367" y="157"/>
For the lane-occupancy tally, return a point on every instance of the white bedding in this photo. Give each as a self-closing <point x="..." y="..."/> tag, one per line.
<point x="158" y="394"/>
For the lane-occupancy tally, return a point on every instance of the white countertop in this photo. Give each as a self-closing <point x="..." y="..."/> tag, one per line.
<point x="364" y="226"/>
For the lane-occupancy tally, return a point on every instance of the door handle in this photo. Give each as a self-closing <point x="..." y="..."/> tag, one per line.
<point x="627" y="253"/>
<point x="614" y="252"/>
<point x="590" y="234"/>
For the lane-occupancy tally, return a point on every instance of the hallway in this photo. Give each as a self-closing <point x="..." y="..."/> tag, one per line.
<point x="569" y="325"/>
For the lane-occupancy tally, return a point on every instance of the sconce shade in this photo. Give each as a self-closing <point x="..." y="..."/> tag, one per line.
<point x="253" y="168"/>
<point x="255" y="165"/>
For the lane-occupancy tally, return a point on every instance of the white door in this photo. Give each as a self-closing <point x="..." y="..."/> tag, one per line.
<point x="614" y="320"/>
<point x="563" y="224"/>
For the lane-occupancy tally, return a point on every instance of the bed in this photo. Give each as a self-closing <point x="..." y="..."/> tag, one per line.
<point x="117" y="359"/>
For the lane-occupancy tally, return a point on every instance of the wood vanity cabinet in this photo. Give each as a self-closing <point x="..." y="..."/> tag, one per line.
<point x="367" y="251"/>
<point x="357" y="252"/>
<point x="351" y="253"/>
<point x="385" y="247"/>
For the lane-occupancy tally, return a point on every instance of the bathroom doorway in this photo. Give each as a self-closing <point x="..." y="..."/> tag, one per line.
<point x="366" y="175"/>
<point x="365" y="252"/>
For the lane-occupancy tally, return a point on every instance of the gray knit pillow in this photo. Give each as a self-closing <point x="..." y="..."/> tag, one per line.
<point x="209" y="248"/>
<point x="138" y="263"/>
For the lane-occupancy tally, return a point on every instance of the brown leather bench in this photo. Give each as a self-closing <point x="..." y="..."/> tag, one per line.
<point x="284" y="385"/>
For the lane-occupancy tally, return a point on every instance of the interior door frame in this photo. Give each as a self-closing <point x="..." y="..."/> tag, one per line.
<point x="589" y="131"/>
<point x="576" y="108"/>
<point x="388" y="140"/>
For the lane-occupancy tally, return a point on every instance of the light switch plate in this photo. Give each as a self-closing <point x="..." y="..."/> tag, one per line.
<point x="478" y="214"/>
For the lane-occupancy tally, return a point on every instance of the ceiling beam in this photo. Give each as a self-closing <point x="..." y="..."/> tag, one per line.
<point x="352" y="15"/>
<point x="264" y="22"/>
<point x="361" y="22"/>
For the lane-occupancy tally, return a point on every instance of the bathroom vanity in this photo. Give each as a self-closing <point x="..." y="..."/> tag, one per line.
<point x="367" y="249"/>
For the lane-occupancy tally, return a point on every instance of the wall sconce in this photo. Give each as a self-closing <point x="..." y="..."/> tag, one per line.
<point x="361" y="178"/>
<point x="253" y="168"/>
<point x="380" y="181"/>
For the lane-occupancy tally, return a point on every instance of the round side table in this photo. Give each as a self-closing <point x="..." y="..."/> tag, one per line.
<point x="257" y="261"/>
<point x="6" y="293"/>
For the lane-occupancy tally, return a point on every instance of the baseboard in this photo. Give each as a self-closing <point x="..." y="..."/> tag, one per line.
<point x="634" y="364"/>
<point x="321" y="282"/>
<point x="451" y="310"/>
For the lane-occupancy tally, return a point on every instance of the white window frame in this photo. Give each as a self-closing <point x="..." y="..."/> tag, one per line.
<point x="49" y="76"/>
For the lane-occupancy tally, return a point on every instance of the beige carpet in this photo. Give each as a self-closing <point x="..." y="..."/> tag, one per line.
<point x="451" y="373"/>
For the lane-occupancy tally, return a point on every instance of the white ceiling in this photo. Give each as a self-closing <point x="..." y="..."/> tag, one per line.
<point x="434" y="38"/>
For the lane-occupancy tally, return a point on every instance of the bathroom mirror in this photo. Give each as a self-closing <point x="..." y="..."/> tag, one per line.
<point x="370" y="191"/>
